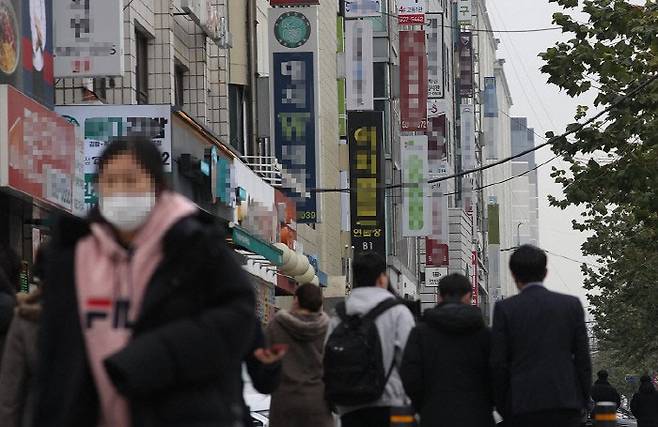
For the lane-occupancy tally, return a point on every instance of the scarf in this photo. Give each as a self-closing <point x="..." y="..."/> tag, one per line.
<point x="110" y="282"/>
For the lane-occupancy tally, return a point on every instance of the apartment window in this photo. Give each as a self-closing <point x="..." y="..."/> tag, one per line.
<point x="179" y="86"/>
<point x="100" y="89"/>
<point x="142" y="68"/>
<point x="236" y="99"/>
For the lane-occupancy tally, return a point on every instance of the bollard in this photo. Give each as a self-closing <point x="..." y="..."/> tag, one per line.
<point x="605" y="414"/>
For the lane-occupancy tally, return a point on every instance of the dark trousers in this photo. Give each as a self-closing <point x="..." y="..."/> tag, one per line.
<point x="368" y="417"/>
<point x="553" y="418"/>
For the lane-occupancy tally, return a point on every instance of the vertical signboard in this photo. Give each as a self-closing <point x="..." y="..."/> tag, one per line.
<point x="435" y="75"/>
<point x="294" y="93"/>
<point x="411" y="12"/>
<point x="438" y="167"/>
<point x="467" y="117"/>
<point x="475" y="299"/>
<point x="490" y="97"/>
<point x="365" y="138"/>
<point x="413" y="81"/>
<point x="100" y="123"/>
<point x="464" y="12"/>
<point x="26" y="48"/>
<point x="416" y="212"/>
<point x="359" y="65"/>
<point x="361" y="8"/>
<point x="88" y="38"/>
<point x="466" y="64"/>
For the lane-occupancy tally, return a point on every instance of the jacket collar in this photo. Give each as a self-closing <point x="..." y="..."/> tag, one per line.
<point x="533" y="286"/>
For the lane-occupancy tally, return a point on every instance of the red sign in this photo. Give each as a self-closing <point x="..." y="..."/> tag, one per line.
<point x="474" y="271"/>
<point x="42" y="150"/>
<point x="466" y="64"/>
<point x="437" y="254"/>
<point x="413" y="81"/>
<point x="293" y="2"/>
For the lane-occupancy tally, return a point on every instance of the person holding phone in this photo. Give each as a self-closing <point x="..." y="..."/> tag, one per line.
<point x="299" y="401"/>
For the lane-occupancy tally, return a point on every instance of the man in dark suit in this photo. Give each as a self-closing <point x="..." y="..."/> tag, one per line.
<point x="540" y="352"/>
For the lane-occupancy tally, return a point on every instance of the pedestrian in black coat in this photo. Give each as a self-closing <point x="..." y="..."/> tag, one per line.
<point x="540" y="350"/>
<point x="603" y="391"/>
<point x="644" y="405"/>
<point x="445" y="369"/>
<point x="181" y="361"/>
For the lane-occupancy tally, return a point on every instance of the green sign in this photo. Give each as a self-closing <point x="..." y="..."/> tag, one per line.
<point x="292" y="30"/>
<point x="494" y="224"/>
<point x="242" y="238"/>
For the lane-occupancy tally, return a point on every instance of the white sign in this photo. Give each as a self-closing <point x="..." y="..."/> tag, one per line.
<point x="411" y="12"/>
<point x="468" y="136"/>
<point x="465" y="12"/>
<point x="436" y="108"/>
<point x="206" y="16"/>
<point x="433" y="275"/>
<point x="88" y="38"/>
<point x="434" y="46"/>
<point x="359" y="65"/>
<point x="362" y="8"/>
<point x="417" y="206"/>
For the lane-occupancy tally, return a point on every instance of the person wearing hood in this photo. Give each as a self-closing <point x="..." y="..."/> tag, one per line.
<point x="10" y="269"/>
<point x="19" y="364"/>
<point x="603" y="391"/>
<point x="299" y="400"/>
<point x="445" y="369"/>
<point x="644" y="404"/>
<point x="147" y="314"/>
<point x="370" y="290"/>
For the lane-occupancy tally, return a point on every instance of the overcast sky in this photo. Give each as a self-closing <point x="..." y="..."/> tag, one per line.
<point x="546" y="109"/>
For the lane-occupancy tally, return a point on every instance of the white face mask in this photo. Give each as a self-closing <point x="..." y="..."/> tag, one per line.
<point x="127" y="212"/>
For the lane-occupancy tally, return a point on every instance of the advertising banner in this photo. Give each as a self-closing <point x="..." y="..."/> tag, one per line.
<point x="293" y="2"/>
<point x="433" y="275"/>
<point x="362" y="8"/>
<point x="435" y="74"/>
<point x="294" y="93"/>
<point x="413" y="81"/>
<point x="438" y="167"/>
<point x="417" y="206"/>
<point x="367" y="204"/>
<point x="466" y="64"/>
<point x="464" y="12"/>
<point x="37" y="151"/>
<point x="88" y="38"/>
<point x="359" y="65"/>
<point x="437" y="254"/>
<point x="26" y="48"/>
<point x="101" y="123"/>
<point x="411" y="12"/>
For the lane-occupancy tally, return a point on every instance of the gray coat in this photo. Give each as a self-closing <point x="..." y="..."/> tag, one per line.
<point x="299" y="401"/>
<point x="17" y="374"/>
<point x="394" y="327"/>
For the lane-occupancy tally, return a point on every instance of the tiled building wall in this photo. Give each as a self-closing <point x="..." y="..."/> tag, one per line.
<point x="173" y="39"/>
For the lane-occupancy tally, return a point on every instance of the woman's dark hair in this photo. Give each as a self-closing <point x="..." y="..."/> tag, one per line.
<point x="145" y="152"/>
<point x="10" y="268"/>
<point x="367" y="268"/>
<point x="40" y="262"/>
<point x="528" y="264"/>
<point x="309" y="297"/>
<point x="646" y="385"/>
<point x="454" y="287"/>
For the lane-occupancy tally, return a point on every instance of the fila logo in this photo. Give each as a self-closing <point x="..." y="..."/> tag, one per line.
<point x="99" y="309"/>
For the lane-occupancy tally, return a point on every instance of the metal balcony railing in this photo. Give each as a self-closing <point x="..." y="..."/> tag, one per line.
<point x="267" y="167"/>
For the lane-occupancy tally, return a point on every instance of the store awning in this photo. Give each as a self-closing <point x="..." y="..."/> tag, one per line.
<point x="248" y="241"/>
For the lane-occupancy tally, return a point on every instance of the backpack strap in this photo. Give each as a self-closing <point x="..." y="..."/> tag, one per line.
<point x="381" y="308"/>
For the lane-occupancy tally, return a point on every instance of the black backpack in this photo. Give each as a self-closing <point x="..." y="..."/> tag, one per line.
<point x="354" y="372"/>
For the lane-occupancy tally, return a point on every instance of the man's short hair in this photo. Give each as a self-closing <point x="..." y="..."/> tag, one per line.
<point x="454" y="286"/>
<point x="528" y="264"/>
<point x="367" y="268"/>
<point x="309" y="297"/>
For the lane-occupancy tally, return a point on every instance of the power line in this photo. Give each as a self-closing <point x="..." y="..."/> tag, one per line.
<point x="550" y="141"/>
<point x="128" y="5"/>
<point x="572" y="259"/>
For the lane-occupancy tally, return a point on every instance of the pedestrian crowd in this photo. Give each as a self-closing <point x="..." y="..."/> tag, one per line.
<point x="142" y="317"/>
